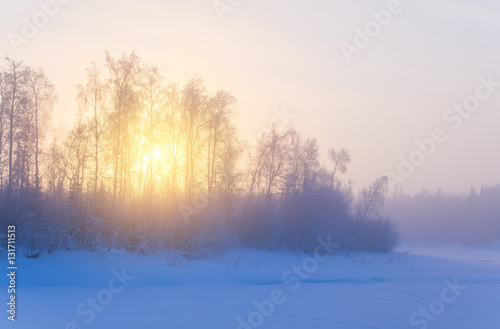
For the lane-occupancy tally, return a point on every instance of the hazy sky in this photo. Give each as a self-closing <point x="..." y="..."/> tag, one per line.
<point x="276" y="54"/>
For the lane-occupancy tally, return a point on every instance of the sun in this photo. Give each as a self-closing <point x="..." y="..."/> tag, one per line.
<point x="157" y="153"/>
<point x="154" y="155"/>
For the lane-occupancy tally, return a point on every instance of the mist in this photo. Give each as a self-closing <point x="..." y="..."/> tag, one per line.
<point x="470" y="219"/>
<point x="249" y="164"/>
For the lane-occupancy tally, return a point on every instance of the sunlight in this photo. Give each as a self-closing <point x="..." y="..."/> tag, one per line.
<point x="157" y="153"/>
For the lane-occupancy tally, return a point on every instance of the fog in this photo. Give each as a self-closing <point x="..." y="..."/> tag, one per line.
<point x="471" y="218"/>
<point x="261" y="164"/>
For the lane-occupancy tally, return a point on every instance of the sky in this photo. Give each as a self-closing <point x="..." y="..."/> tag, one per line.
<point x="400" y="84"/>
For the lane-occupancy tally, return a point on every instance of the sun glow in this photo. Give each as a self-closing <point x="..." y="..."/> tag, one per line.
<point x="157" y="153"/>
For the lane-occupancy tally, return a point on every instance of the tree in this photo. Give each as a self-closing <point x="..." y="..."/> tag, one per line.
<point x="4" y="100"/>
<point x="77" y="146"/>
<point x="221" y="136"/>
<point x="42" y="95"/>
<point x="123" y="85"/>
<point x="56" y="171"/>
<point x="372" y="200"/>
<point x="268" y="163"/>
<point x="194" y="109"/>
<point x="340" y="161"/>
<point x="93" y="95"/>
<point x="172" y="128"/>
<point x="153" y="102"/>
<point x="15" y="78"/>
<point x="310" y="163"/>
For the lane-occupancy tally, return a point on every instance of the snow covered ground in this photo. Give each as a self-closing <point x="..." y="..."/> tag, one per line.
<point x="433" y="286"/>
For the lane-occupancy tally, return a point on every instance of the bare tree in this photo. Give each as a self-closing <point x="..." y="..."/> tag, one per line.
<point x="4" y="100"/>
<point x="194" y="115"/>
<point x="77" y="145"/>
<point x="15" y="79"/>
<point x="56" y="171"/>
<point x="172" y="130"/>
<point x="371" y="200"/>
<point x="123" y="86"/>
<point x="340" y="161"/>
<point x="268" y="163"/>
<point x="221" y="135"/>
<point x="42" y="96"/>
<point x="153" y="102"/>
<point x="93" y="95"/>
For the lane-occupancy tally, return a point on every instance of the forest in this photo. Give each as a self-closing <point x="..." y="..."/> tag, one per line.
<point x="469" y="218"/>
<point x="150" y="163"/>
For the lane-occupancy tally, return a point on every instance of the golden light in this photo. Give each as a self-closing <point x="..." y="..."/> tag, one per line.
<point x="157" y="152"/>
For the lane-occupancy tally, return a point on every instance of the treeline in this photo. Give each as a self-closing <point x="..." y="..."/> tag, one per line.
<point x="26" y="101"/>
<point x="470" y="218"/>
<point x="152" y="163"/>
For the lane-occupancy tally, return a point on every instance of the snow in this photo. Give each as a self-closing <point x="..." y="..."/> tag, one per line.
<point x="363" y="290"/>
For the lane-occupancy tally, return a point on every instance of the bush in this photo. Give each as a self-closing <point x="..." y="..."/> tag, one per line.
<point x="295" y="225"/>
